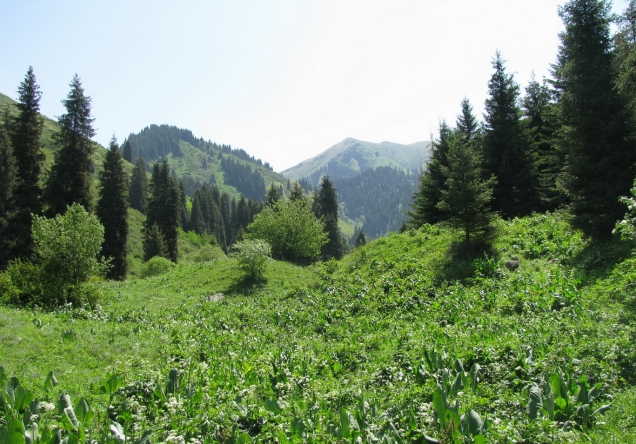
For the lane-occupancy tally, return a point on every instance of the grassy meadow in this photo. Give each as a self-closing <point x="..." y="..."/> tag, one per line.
<point x="404" y="340"/>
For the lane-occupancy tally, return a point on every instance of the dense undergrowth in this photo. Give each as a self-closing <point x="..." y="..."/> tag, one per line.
<point x="404" y="340"/>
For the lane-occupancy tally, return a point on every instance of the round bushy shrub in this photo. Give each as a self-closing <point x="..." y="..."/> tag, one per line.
<point x="156" y="266"/>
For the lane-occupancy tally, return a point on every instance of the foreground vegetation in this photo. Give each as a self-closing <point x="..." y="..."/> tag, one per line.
<point x="403" y="338"/>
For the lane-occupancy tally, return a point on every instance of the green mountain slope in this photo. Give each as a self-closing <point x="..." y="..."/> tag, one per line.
<point x="379" y="347"/>
<point x="351" y="157"/>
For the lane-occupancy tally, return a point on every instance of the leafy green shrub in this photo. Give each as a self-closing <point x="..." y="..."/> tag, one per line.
<point x="252" y="256"/>
<point x="206" y="253"/>
<point x="69" y="245"/>
<point x="21" y="283"/>
<point x="156" y="266"/>
<point x="291" y="229"/>
<point x="627" y="227"/>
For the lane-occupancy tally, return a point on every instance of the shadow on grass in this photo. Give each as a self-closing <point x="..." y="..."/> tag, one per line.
<point x="598" y="258"/>
<point x="247" y="285"/>
<point x="467" y="260"/>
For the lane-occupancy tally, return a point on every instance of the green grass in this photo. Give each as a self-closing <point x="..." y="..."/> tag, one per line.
<point x="296" y="357"/>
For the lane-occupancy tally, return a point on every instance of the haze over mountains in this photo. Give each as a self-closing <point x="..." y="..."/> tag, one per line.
<point x="351" y="157"/>
<point x="375" y="181"/>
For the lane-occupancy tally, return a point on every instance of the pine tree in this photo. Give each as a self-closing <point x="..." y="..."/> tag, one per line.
<point x="272" y="195"/>
<point x="326" y="207"/>
<point x="8" y="185"/>
<point x="154" y="244"/>
<point x="467" y="124"/>
<point x="26" y="130"/>
<point x="467" y="195"/>
<point x="431" y="183"/>
<point x="127" y="152"/>
<point x="138" y="195"/>
<point x="112" y="211"/>
<point x="506" y="149"/>
<point x="70" y="179"/>
<point x="164" y="208"/>
<point x="540" y="125"/>
<point x="596" y="138"/>
<point x="361" y="239"/>
<point x="296" y="192"/>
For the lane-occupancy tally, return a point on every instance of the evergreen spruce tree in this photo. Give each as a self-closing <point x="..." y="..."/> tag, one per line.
<point x="70" y="178"/>
<point x="154" y="244"/>
<point x="431" y="183"/>
<point x="164" y="208"/>
<point x="467" y="124"/>
<point x="25" y="132"/>
<point x="540" y="125"/>
<point x="467" y="195"/>
<point x="296" y="192"/>
<point x="506" y="150"/>
<point x="273" y="195"/>
<point x="361" y="239"/>
<point x="138" y="195"/>
<point x="127" y="152"/>
<point x="326" y="207"/>
<point x="8" y="185"/>
<point x="112" y="211"/>
<point x="596" y="138"/>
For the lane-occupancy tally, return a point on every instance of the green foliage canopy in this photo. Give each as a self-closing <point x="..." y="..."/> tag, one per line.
<point x="292" y="230"/>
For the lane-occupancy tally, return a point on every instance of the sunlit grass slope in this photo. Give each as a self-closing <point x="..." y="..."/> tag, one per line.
<point x="338" y="351"/>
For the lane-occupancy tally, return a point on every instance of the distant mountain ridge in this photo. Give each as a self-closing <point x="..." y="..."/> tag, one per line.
<point x="352" y="157"/>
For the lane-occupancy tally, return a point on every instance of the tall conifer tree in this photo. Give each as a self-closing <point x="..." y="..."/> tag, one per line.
<point x="70" y="178"/>
<point x="466" y="199"/>
<point x="597" y="141"/>
<point x="326" y="207"/>
<point x="506" y="149"/>
<point x="138" y="195"/>
<point x="26" y="130"/>
<point x="164" y="208"/>
<point x="112" y="211"/>
<point x="431" y="183"/>
<point x="8" y="185"/>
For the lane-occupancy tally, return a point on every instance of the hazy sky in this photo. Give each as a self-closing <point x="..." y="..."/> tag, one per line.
<point x="283" y="80"/>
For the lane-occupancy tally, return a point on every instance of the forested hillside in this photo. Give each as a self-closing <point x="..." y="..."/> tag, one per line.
<point x="377" y="199"/>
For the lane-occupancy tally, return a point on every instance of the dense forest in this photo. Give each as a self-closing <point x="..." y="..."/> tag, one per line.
<point x="377" y="199"/>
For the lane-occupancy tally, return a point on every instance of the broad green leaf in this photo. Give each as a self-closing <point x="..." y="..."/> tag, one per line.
<point x="474" y="375"/>
<point x="344" y="423"/>
<point x="173" y="381"/>
<point x="282" y="438"/>
<point x="144" y="438"/>
<point x="602" y="409"/>
<point x="83" y="411"/>
<point x="12" y="385"/>
<point x="480" y="439"/>
<point x="244" y="438"/>
<point x="62" y="403"/>
<point x="581" y="396"/>
<point x="72" y="439"/>
<point x="15" y="432"/>
<point x="458" y="384"/>
<point x="561" y="403"/>
<point x="69" y="420"/>
<point x="458" y="366"/>
<point x="50" y="381"/>
<point x="3" y="377"/>
<point x="548" y="401"/>
<point x="535" y="403"/>
<point x="111" y="384"/>
<point x="117" y="431"/>
<point x="440" y="404"/>
<point x="412" y="422"/>
<point x="471" y="422"/>
<point x="274" y="405"/>
<point x="23" y="398"/>
<point x="31" y="433"/>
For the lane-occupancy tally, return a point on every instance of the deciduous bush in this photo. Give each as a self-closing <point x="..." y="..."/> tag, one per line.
<point x="292" y="230"/>
<point x="252" y="256"/>
<point x="156" y="266"/>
